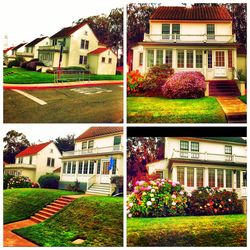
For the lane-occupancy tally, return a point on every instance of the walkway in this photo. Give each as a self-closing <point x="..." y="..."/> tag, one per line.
<point x="234" y="109"/>
<point x="13" y="240"/>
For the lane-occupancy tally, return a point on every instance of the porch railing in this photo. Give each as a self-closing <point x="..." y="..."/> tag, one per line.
<point x="189" y="38"/>
<point x="204" y="156"/>
<point x="91" y="180"/>
<point x="53" y="48"/>
<point x="89" y="151"/>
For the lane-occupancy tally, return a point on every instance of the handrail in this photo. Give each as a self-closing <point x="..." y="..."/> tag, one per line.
<point x="91" y="180"/>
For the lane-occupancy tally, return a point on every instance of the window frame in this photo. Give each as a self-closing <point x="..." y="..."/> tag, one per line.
<point x="210" y="31"/>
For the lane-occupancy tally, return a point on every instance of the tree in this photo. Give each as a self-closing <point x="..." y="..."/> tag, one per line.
<point x="65" y="143"/>
<point x="140" y="152"/>
<point x="15" y="142"/>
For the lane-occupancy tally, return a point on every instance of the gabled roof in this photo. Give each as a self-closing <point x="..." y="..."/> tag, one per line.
<point x="99" y="131"/>
<point x="19" y="46"/>
<point x="8" y="49"/>
<point x="34" y="149"/>
<point x="97" y="51"/>
<point x="68" y="31"/>
<point x="35" y="41"/>
<point x="193" y="13"/>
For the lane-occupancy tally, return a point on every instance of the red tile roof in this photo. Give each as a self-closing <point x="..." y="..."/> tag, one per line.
<point x="99" y="131"/>
<point x="19" y="46"/>
<point x="97" y="51"/>
<point x="35" y="41"/>
<point x="33" y="149"/>
<point x="8" y="49"/>
<point x="68" y="31"/>
<point x="193" y="13"/>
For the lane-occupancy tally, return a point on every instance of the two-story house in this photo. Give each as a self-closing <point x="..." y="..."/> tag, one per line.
<point x="191" y="39"/>
<point x="206" y="161"/>
<point x="17" y="49"/>
<point x="78" y="46"/>
<point x="98" y="155"/>
<point x="35" y="161"/>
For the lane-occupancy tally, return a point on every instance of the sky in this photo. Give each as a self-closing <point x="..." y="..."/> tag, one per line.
<point x="29" y="19"/>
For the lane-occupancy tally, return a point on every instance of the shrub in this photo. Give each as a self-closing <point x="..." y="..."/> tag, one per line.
<point x="185" y="85"/>
<point x="19" y="182"/>
<point x="118" y="181"/>
<point x="31" y="65"/>
<point x="23" y="64"/>
<point x="17" y="62"/>
<point x="6" y="179"/>
<point x="50" y="71"/>
<point x="118" y="73"/>
<point x="35" y="185"/>
<point x="49" y="181"/>
<point x="211" y="201"/>
<point x="134" y="82"/>
<point x="157" y="198"/>
<point x="155" y="78"/>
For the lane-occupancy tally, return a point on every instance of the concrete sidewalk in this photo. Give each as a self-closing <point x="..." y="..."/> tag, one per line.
<point x="60" y="85"/>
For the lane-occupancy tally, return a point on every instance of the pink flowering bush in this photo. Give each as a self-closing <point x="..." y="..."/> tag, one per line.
<point x="212" y="201"/>
<point x="19" y="182"/>
<point x="185" y="85"/>
<point x="157" y="198"/>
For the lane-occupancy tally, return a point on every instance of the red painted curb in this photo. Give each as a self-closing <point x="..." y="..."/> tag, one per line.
<point x="60" y="87"/>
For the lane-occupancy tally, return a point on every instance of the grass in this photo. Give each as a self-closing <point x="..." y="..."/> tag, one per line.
<point x="220" y="230"/>
<point x="65" y="105"/>
<point x="96" y="220"/>
<point x="20" y="75"/>
<point x="243" y="98"/>
<point x="162" y="110"/>
<point x="21" y="203"/>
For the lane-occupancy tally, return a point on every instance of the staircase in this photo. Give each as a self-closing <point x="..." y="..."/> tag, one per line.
<point x="51" y="209"/>
<point x="223" y="88"/>
<point x="100" y="189"/>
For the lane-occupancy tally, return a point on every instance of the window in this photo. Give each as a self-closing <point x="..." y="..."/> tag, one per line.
<point x="237" y="179"/>
<point x="168" y="58"/>
<point x="48" y="162"/>
<point x="211" y="177"/>
<point x="91" y="144"/>
<point x="230" y="60"/>
<point x="84" y="145"/>
<point x="117" y="142"/>
<point x="209" y="59"/>
<point x="160" y="174"/>
<point x="180" y="58"/>
<point x="140" y="59"/>
<point x="210" y="31"/>
<point x="85" y="60"/>
<point x="229" y="178"/>
<point x="80" y="167"/>
<point x="110" y="60"/>
<point x="69" y="168"/>
<point x="199" y="177"/>
<point x="54" y="42"/>
<point x="220" y="178"/>
<point x="91" y="167"/>
<point x="184" y="146"/>
<point x="30" y="161"/>
<point x="228" y="153"/>
<point x="99" y="167"/>
<point x="73" y="167"/>
<point x="114" y="167"/>
<point x="176" y="30"/>
<point x="52" y="162"/>
<point x="165" y="31"/>
<point x="85" y="32"/>
<point x="84" y="44"/>
<point x="150" y="58"/>
<point x="159" y="57"/>
<point x="51" y="151"/>
<point x="190" y="59"/>
<point x="103" y="59"/>
<point x="195" y="148"/>
<point x="81" y="60"/>
<point x="199" y="59"/>
<point x="219" y="59"/>
<point x="85" y="167"/>
<point x="20" y="160"/>
<point x="64" y="167"/>
<point x="190" y="177"/>
<point x="180" y="175"/>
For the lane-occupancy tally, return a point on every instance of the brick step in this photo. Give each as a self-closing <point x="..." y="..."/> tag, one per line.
<point x="63" y="203"/>
<point x="35" y="219"/>
<point x="54" y="207"/>
<point x="56" y="204"/>
<point x="41" y="216"/>
<point x="50" y="210"/>
<point x="46" y="213"/>
<point x="64" y="198"/>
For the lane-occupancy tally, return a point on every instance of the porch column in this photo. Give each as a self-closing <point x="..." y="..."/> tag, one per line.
<point x="194" y="59"/>
<point x="185" y="177"/>
<point x="204" y="62"/>
<point x="195" y="177"/>
<point x="174" y="174"/>
<point x="154" y="57"/>
<point x="224" y="174"/>
<point x="234" y="180"/>
<point x="185" y="58"/>
<point x="164" y="57"/>
<point x="174" y="59"/>
<point x="216" y="184"/>
<point x="234" y="52"/>
<point x="144" y="61"/>
<point x="95" y="167"/>
<point x="76" y="173"/>
<point x="206" y="177"/>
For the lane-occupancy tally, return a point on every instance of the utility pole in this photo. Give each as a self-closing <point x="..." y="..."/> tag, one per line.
<point x="61" y="43"/>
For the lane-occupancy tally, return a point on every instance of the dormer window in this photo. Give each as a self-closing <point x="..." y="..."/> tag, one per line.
<point x="210" y="31"/>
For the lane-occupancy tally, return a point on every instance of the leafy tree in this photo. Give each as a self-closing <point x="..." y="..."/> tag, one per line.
<point x="140" y="152"/>
<point x="15" y="142"/>
<point x="65" y="143"/>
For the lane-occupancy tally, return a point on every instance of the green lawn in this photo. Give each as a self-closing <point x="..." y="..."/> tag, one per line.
<point x="220" y="230"/>
<point x="163" y="110"/>
<point x="243" y="98"/>
<point x="96" y="220"/>
<point x="21" y="203"/>
<point x="20" y="75"/>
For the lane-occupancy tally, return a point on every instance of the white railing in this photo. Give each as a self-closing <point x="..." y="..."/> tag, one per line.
<point x="53" y="48"/>
<point x="204" y="156"/>
<point x="20" y="165"/>
<point x="89" y="151"/>
<point x="91" y="180"/>
<point x="189" y="38"/>
<point x="28" y="54"/>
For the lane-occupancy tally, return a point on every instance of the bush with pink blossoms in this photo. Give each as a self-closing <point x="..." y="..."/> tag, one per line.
<point x="185" y="85"/>
<point x="19" y="182"/>
<point x="157" y="198"/>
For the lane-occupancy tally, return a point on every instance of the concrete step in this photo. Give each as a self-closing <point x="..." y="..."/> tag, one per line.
<point x="50" y="210"/>
<point x="35" y="219"/>
<point x="62" y="202"/>
<point x="65" y="198"/>
<point x="97" y="193"/>
<point x="54" y="207"/>
<point x="59" y="205"/>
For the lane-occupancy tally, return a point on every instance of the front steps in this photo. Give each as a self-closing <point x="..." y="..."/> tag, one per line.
<point x="100" y="189"/>
<point x="51" y="209"/>
<point x="223" y="88"/>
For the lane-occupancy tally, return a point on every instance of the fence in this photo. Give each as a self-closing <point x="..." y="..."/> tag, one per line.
<point x="71" y="75"/>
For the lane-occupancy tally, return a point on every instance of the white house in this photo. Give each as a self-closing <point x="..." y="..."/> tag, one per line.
<point x="77" y="44"/>
<point x="206" y="161"/>
<point x="17" y="49"/>
<point x="90" y="162"/>
<point x="35" y="161"/>
<point x="191" y="39"/>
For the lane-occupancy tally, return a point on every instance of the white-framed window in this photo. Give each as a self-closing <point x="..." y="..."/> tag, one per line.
<point x="50" y="162"/>
<point x="20" y="160"/>
<point x="165" y="31"/>
<point x="211" y="177"/>
<point x="84" y="44"/>
<point x="140" y="59"/>
<point x="195" y="149"/>
<point x="210" y="59"/>
<point x="199" y="58"/>
<point x="159" y="57"/>
<point x="168" y="58"/>
<point x="199" y="177"/>
<point x="110" y="60"/>
<point x="237" y="179"/>
<point x="210" y="31"/>
<point x="117" y="142"/>
<point x="98" y="167"/>
<point x="230" y="58"/>
<point x="91" y="167"/>
<point x="80" y="167"/>
<point x="190" y="58"/>
<point x="64" y="167"/>
<point x="228" y="153"/>
<point x="84" y="145"/>
<point x="229" y="178"/>
<point x="180" y="175"/>
<point x="220" y="178"/>
<point x="83" y="59"/>
<point x="73" y="167"/>
<point x="103" y="59"/>
<point x="69" y="167"/>
<point x="85" y="167"/>
<point x="180" y="58"/>
<point x="30" y="160"/>
<point x="190" y="177"/>
<point x="184" y="146"/>
<point x="150" y="58"/>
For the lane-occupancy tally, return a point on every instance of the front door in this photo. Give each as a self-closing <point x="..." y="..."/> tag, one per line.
<point x="244" y="183"/>
<point x="105" y="177"/>
<point x="220" y="65"/>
